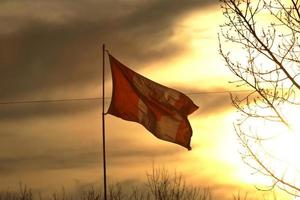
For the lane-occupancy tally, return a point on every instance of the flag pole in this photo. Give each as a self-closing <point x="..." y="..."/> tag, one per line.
<point x="103" y="122"/>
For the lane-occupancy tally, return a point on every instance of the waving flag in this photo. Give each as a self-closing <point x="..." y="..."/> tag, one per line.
<point x="161" y="110"/>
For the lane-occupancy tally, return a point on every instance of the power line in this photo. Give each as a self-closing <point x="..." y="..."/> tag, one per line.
<point x="48" y="100"/>
<point x="99" y="98"/>
<point x="218" y="92"/>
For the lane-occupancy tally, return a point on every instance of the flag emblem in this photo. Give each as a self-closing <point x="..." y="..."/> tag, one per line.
<point x="161" y="110"/>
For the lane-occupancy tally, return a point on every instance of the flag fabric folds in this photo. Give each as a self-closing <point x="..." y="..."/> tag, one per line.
<point x="161" y="110"/>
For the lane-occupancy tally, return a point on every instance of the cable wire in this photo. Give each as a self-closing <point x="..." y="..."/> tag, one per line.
<point x="48" y="100"/>
<point x="99" y="98"/>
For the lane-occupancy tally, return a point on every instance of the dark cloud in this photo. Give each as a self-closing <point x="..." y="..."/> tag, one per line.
<point x="120" y="149"/>
<point x="52" y="146"/>
<point x="211" y="103"/>
<point x="58" y="44"/>
<point x="39" y="59"/>
<point x="56" y="158"/>
<point x="214" y="103"/>
<point x="52" y="109"/>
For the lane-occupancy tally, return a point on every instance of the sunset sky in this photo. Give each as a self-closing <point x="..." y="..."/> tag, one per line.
<point x="52" y="50"/>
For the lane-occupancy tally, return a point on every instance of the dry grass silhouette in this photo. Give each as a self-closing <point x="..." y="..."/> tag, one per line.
<point x="160" y="185"/>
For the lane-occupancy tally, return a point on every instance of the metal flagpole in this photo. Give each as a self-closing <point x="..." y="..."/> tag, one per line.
<point x="103" y="122"/>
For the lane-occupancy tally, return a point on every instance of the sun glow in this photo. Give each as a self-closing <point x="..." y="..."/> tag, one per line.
<point x="198" y="66"/>
<point x="276" y="146"/>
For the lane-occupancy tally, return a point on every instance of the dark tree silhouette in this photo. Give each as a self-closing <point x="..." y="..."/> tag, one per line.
<point x="259" y="42"/>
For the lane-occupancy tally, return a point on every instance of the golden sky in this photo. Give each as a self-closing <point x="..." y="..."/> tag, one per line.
<point x="52" y="50"/>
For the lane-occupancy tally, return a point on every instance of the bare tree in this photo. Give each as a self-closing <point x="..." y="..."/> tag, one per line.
<point x="164" y="186"/>
<point x="264" y="55"/>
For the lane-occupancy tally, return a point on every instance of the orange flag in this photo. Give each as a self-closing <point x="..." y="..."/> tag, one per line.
<point x="161" y="110"/>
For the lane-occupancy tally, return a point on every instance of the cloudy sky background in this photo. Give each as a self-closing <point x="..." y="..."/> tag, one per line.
<point x="52" y="50"/>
